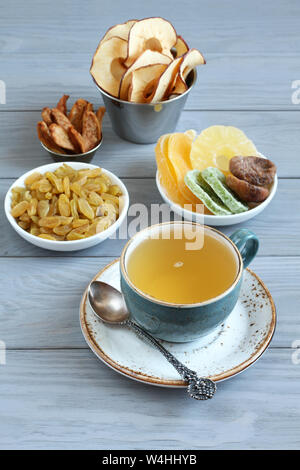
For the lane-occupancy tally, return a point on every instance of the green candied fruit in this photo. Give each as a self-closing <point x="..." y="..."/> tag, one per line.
<point x="203" y="191"/>
<point x="216" y="180"/>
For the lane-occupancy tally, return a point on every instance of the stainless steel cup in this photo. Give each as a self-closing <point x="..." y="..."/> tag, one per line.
<point x="76" y="157"/>
<point x="144" y="123"/>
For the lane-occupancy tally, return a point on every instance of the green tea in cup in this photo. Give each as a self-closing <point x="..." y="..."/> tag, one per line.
<point x="167" y="270"/>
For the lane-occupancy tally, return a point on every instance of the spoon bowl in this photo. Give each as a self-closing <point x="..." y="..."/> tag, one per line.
<point x="107" y="303"/>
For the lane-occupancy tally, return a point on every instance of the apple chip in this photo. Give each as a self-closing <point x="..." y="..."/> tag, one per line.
<point x="61" y="137"/>
<point x="181" y="46"/>
<point x="76" y="113"/>
<point x="61" y="119"/>
<point x="147" y="58"/>
<point x="45" y="137"/>
<point x="62" y="104"/>
<point x="165" y="83"/>
<point x="46" y="115"/>
<point x="179" y="86"/>
<point x="119" y="30"/>
<point x="108" y="64"/>
<point x="144" y="82"/>
<point x="191" y="59"/>
<point x="91" y="133"/>
<point x="156" y="34"/>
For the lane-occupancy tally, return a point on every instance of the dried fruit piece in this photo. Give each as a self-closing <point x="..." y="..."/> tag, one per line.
<point x="46" y="115"/>
<point x="43" y="208"/>
<point x="108" y="64"/>
<point x="100" y="114"/>
<point x="76" y="114"/>
<point x="62" y="104"/>
<point x="32" y="208"/>
<point x="147" y="58"/>
<point x="166" y="173"/>
<point x="246" y="191"/>
<point x="216" y="145"/>
<point x="32" y="178"/>
<point x="45" y="137"/>
<point x="43" y="185"/>
<point x="64" y="205"/>
<point x="144" y="82"/>
<point x="60" y="119"/>
<point x="190" y="60"/>
<point x="76" y="139"/>
<point x="156" y="34"/>
<point x="255" y="170"/>
<point x="181" y="46"/>
<point x="178" y="153"/>
<point x="79" y="223"/>
<point x="216" y="180"/>
<point x="66" y="186"/>
<point x="55" y="181"/>
<point x="90" y="130"/>
<point x="46" y="236"/>
<point x="73" y="206"/>
<point x="62" y="229"/>
<point x="166" y="81"/>
<point x="202" y="190"/>
<point x="75" y="235"/>
<point x="85" y="208"/>
<point x="61" y="137"/>
<point x="119" y="30"/>
<point x="95" y="199"/>
<point x="54" y="220"/>
<point x="19" y="209"/>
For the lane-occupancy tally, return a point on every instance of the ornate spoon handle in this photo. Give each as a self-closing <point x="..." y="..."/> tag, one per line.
<point x="198" y="387"/>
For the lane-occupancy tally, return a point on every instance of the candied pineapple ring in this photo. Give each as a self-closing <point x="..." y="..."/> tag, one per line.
<point x="66" y="204"/>
<point x="216" y="145"/>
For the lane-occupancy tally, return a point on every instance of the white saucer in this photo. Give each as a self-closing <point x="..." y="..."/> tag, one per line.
<point x="237" y="344"/>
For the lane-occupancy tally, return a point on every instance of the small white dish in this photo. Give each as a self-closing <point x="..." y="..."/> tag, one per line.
<point x="72" y="245"/>
<point x="218" y="220"/>
<point x="229" y="350"/>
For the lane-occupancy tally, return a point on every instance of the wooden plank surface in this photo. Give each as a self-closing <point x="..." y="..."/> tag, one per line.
<point x="70" y="400"/>
<point x="274" y="134"/>
<point x="252" y="51"/>
<point x="239" y="88"/>
<point x="257" y="27"/>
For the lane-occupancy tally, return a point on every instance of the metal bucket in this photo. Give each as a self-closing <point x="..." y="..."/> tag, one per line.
<point x="144" y="123"/>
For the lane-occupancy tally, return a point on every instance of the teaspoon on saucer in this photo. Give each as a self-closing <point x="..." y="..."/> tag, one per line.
<point x="108" y="305"/>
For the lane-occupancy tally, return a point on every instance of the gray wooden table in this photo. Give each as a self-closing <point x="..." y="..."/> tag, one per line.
<point x="54" y="393"/>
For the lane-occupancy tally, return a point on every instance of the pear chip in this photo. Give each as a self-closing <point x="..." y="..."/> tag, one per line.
<point x="73" y="133"/>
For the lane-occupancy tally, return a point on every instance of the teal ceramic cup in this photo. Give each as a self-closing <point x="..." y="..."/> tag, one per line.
<point x="185" y="322"/>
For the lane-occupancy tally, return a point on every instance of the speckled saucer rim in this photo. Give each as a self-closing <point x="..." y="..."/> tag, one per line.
<point x="151" y="380"/>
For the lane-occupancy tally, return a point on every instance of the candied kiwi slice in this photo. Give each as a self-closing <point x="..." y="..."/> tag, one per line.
<point x="194" y="181"/>
<point x="216" y="180"/>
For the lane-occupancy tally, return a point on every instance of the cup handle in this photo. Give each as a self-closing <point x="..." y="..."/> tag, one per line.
<point x="247" y="243"/>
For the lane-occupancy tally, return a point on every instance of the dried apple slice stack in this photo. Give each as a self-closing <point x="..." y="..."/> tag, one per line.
<point x="144" y="61"/>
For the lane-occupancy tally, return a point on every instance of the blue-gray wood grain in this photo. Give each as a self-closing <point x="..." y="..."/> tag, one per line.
<point x="252" y="50"/>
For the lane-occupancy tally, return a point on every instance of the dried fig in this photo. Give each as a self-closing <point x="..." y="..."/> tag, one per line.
<point x="255" y="170"/>
<point x="246" y="191"/>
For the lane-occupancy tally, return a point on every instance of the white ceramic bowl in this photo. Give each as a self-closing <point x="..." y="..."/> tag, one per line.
<point x="218" y="220"/>
<point x="74" y="244"/>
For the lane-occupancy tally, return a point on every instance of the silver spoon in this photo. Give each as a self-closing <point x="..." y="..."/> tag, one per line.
<point x="108" y="304"/>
